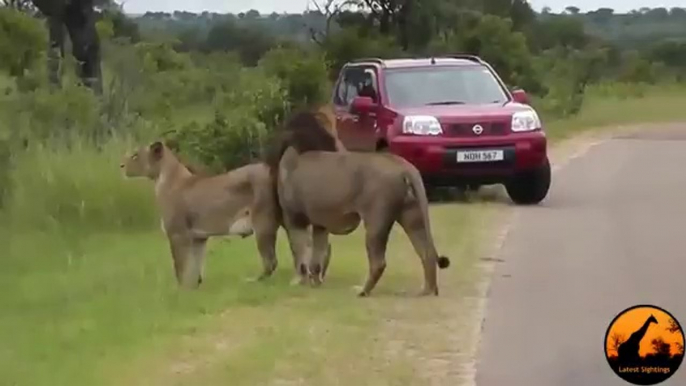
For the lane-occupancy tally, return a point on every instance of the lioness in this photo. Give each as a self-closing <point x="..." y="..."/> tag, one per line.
<point x="334" y="191"/>
<point x="194" y="208"/>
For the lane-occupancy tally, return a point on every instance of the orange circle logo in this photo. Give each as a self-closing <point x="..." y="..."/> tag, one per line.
<point x="644" y="345"/>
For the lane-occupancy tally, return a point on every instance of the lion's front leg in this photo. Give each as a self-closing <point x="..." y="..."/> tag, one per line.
<point x="187" y="255"/>
<point x="266" y="245"/>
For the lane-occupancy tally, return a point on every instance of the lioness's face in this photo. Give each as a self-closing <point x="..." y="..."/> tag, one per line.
<point x="144" y="162"/>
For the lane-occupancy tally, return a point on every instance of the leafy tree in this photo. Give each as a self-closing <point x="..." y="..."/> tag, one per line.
<point x="560" y="30"/>
<point x="493" y="39"/>
<point x="636" y="69"/>
<point x="252" y="15"/>
<point x="671" y="53"/>
<point x="658" y="13"/>
<point x="249" y="41"/>
<point x="572" y="10"/>
<point x="351" y="44"/>
<point x="330" y="11"/>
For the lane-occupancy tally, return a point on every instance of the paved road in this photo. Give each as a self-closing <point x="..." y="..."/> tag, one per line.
<point x="611" y="234"/>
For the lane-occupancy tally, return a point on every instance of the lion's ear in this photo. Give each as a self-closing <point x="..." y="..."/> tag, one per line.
<point x="156" y="149"/>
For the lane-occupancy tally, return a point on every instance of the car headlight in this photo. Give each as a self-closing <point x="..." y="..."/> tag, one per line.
<point x="422" y="125"/>
<point x="525" y="121"/>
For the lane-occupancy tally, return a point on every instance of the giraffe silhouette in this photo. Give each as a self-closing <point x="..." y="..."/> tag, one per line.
<point x="628" y="351"/>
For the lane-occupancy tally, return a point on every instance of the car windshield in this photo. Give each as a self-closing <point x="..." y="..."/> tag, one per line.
<point x="443" y="86"/>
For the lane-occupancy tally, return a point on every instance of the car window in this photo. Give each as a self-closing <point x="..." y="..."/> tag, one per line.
<point x="424" y="86"/>
<point x="354" y="82"/>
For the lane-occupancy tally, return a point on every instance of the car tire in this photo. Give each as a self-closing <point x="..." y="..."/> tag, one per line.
<point x="433" y="193"/>
<point x="530" y="187"/>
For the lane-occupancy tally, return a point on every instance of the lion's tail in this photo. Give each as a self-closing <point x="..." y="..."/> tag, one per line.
<point x="416" y="186"/>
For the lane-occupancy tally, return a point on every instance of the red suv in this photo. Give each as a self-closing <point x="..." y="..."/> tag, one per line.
<point x="452" y="117"/>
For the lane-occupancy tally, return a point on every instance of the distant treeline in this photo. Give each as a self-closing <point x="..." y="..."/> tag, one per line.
<point x="637" y="27"/>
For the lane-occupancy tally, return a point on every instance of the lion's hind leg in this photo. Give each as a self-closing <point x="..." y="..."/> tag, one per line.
<point x="378" y="230"/>
<point x="299" y="240"/>
<point x="412" y="222"/>
<point x="327" y="259"/>
<point x="321" y="252"/>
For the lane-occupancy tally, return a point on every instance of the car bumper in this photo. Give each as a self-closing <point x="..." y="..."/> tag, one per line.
<point x="436" y="157"/>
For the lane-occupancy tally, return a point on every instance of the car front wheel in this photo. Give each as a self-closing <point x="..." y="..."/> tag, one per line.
<point x="530" y="187"/>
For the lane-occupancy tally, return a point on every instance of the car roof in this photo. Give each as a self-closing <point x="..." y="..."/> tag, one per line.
<point x="419" y="62"/>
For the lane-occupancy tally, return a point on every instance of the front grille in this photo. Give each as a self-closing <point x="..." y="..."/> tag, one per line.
<point x="466" y="129"/>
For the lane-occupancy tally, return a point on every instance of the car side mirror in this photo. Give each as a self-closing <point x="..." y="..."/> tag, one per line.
<point x="362" y="105"/>
<point x="520" y="96"/>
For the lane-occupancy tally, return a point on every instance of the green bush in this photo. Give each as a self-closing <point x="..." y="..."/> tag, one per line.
<point x="232" y="139"/>
<point x="23" y="40"/>
<point x="257" y="91"/>
<point x="566" y="73"/>
<point x="303" y="72"/>
<point x="243" y="118"/>
<point x="636" y="69"/>
<point x="56" y="115"/>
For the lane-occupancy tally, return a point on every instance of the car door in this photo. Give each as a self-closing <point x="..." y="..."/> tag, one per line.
<point x="357" y="132"/>
<point x="365" y="129"/>
<point x="345" y="121"/>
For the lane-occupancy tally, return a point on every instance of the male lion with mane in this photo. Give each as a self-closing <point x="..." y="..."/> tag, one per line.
<point x="196" y="207"/>
<point x="320" y="184"/>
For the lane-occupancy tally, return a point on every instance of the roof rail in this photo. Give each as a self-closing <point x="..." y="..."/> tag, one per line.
<point x="473" y="58"/>
<point x="374" y="60"/>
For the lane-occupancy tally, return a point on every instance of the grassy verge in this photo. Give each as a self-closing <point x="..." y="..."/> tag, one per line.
<point x="88" y="297"/>
<point x="607" y="105"/>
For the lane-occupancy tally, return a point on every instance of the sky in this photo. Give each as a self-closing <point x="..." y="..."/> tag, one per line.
<point x="269" y="6"/>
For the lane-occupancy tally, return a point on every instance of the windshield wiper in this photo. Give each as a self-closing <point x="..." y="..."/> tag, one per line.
<point x="445" y="103"/>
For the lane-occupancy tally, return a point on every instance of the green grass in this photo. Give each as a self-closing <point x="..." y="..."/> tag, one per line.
<point x="88" y="297"/>
<point x="610" y="105"/>
<point x="97" y="309"/>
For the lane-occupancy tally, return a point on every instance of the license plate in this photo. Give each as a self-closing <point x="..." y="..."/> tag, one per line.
<point x="480" y="155"/>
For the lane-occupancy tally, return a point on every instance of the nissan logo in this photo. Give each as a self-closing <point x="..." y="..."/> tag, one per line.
<point x="477" y="129"/>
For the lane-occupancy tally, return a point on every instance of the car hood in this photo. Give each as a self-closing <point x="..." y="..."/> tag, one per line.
<point x="467" y="112"/>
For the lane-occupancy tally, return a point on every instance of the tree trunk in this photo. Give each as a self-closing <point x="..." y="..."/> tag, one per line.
<point x="80" y="20"/>
<point x="56" y="49"/>
<point x="404" y="15"/>
<point x="78" y="16"/>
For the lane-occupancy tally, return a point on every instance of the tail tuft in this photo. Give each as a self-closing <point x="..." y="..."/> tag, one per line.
<point x="443" y="262"/>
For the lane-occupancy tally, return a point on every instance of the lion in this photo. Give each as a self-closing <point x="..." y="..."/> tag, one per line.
<point x="321" y="186"/>
<point x="194" y="208"/>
